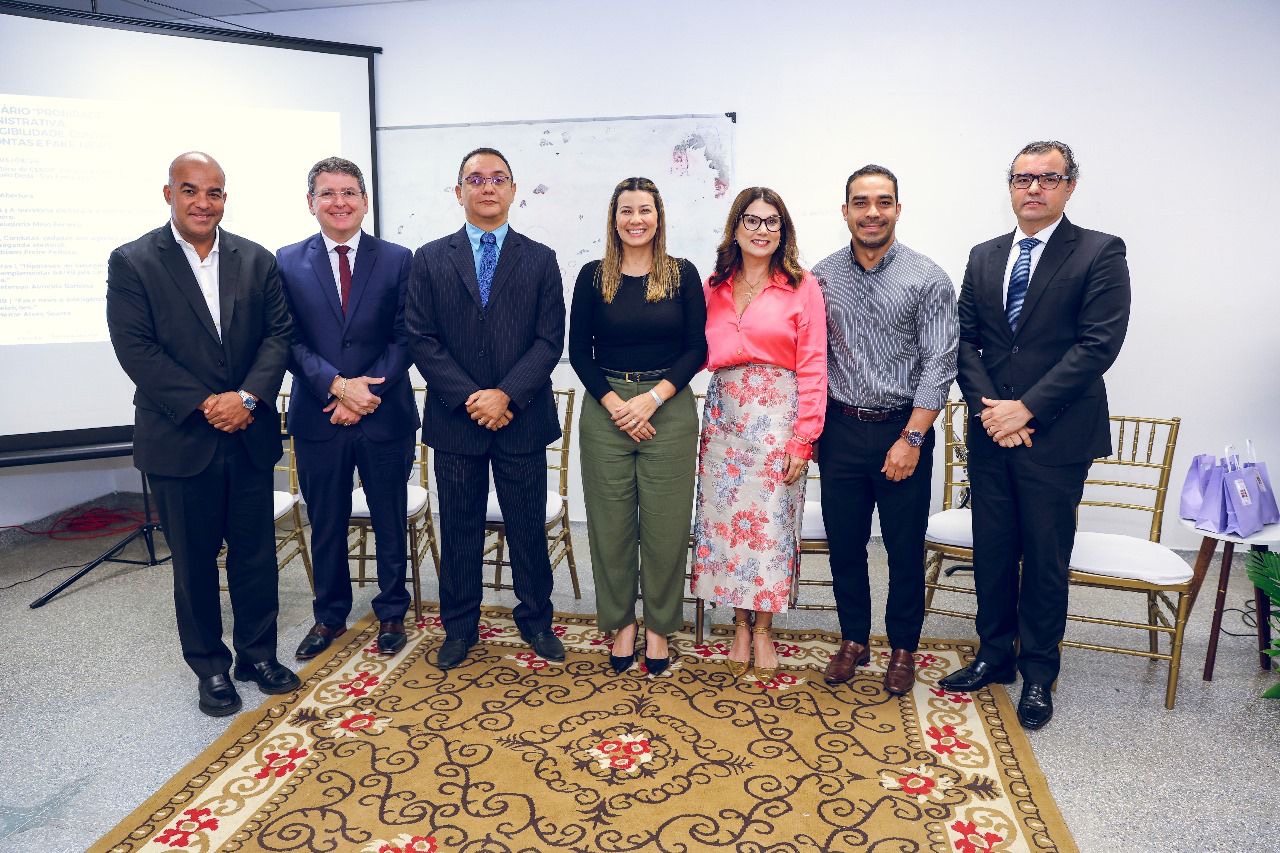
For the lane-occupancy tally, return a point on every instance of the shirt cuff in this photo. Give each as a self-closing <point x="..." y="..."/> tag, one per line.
<point x="800" y="447"/>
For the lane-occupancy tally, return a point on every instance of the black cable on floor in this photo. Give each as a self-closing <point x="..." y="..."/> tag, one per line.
<point x="37" y="577"/>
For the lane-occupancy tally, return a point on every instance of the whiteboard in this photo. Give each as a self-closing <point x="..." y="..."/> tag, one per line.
<point x="565" y="171"/>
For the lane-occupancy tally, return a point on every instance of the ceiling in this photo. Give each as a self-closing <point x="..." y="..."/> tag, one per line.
<point x="204" y="10"/>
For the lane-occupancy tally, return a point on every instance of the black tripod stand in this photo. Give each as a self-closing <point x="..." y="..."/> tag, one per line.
<point x="146" y="530"/>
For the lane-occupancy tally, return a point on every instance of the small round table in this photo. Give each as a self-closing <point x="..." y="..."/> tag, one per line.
<point x="1260" y="541"/>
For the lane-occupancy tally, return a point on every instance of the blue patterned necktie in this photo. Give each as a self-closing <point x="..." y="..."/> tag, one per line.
<point x="488" y="263"/>
<point x="1019" y="279"/>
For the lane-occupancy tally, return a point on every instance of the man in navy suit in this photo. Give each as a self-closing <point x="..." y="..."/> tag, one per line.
<point x="198" y="323"/>
<point x="486" y="327"/>
<point x="1043" y="312"/>
<point x="352" y="404"/>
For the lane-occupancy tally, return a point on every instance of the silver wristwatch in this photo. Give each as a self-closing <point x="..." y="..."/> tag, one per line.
<point x="913" y="437"/>
<point x="247" y="399"/>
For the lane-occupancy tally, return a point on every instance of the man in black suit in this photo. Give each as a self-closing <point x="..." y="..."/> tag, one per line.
<point x="1043" y="313"/>
<point x="200" y="325"/>
<point x="352" y="404"/>
<point x="486" y="327"/>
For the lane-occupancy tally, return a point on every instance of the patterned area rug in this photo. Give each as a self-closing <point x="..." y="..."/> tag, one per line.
<point x="513" y="753"/>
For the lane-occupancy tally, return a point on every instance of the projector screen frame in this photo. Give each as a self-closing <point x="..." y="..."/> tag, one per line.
<point x="105" y="441"/>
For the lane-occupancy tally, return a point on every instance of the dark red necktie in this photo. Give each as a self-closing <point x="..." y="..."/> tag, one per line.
<point x="344" y="275"/>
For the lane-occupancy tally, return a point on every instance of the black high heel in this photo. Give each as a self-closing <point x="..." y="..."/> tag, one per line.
<point x="622" y="664"/>
<point x="656" y="666"/>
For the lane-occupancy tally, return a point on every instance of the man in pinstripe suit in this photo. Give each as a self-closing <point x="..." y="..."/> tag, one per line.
<point x="891" y="332"/>
<point x="485" y="315"/>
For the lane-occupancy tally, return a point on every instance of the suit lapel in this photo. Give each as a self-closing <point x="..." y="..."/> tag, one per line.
<point x="465" y="262"/>
<point x="996" y="262"/>
<point x="175" y="261"/>
<point x="1056" y="252"/>
<point x="320" y="265"/>
<point x="228" y="282"/>
<point x="366" y="257"/>
<point x="507" y="262"/>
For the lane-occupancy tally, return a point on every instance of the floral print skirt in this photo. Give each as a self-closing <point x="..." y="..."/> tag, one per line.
<point x="746" y="521"/>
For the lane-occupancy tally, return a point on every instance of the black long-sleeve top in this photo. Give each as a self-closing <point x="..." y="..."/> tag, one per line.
<point x="634" y="335"/>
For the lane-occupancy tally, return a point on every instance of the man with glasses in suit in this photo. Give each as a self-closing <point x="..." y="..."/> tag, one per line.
<point x="1043" y="313"/>
<point x="486" y="327"/>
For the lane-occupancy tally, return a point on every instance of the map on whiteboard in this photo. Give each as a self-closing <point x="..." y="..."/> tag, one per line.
<point x="565" y="172"/>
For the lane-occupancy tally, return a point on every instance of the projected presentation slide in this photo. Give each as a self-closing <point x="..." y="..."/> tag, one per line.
<point x="90" y="118"/>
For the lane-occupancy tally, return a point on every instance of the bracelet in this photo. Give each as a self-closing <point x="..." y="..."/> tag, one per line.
<point x="657" y="398"/>
<point x="343" y="393"/>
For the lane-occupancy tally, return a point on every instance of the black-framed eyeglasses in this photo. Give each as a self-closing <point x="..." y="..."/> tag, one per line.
<point x="334" y="195"/>
<point x="1047" y="181"/>
<point x="752" y="222"/>
<point x="477" y="181"/>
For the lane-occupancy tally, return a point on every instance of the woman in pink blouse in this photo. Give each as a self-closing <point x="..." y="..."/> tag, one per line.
<point x="767" y="348"/>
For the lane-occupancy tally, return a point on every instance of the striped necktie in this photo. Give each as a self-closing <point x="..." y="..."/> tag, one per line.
<point x="1019" y="279"/>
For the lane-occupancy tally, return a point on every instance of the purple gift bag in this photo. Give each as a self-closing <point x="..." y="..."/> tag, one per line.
<point x="1212" y="515"/>
<point x="1244" y="510"/>
<point x="1263" y="492"/>
<point x="1195" y="485"/>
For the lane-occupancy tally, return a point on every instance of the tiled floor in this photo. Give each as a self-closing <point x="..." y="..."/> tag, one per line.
<point x="99" y="710"/>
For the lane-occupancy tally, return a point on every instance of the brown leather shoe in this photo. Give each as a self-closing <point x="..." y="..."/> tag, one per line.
<point x="847" y="658"/>
<point x="900" y="675"/>
<point x="317" y="640"/>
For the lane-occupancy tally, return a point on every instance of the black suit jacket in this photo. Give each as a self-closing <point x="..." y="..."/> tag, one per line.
<point x="369" y="340"/>
<point x="166" y="342"/>
<point x="512" y="344"/>
<point x="1070" y="330"/>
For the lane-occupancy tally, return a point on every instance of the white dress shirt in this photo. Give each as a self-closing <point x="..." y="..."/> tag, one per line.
<point x="331" y="245"/>
<point x="206" y="273"/>
<point x="1043" y="236"/>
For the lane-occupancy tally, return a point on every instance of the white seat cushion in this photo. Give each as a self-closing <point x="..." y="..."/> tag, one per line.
<point x="493" y="512"/>
<point x="952" y="527"/>
<point x="811" y="526"/>
<point x="284" y="501"/>
<point x="1115" y="555"/>
<point x="417" y="500"/>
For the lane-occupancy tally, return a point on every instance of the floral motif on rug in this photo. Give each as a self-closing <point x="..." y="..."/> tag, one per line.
<point x="511" y="752"/>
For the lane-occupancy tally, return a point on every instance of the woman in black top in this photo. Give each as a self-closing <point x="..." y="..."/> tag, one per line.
<point x="636" y="337"/>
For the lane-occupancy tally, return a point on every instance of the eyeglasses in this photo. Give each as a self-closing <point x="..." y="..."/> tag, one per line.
<point x="328" y="196"/>
<point x="752" y="222"/>
<point x="477" y="181"/>
<point x="1047" y="181"/>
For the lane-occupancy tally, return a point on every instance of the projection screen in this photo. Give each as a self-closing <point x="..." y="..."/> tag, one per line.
<point x="92" y="110"/>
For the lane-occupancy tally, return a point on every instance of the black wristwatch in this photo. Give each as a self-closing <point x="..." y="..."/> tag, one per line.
<point x="247" y="399"/>
<point x="913" y="437"/>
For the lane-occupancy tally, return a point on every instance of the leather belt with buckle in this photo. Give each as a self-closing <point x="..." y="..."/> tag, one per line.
<point x="634" y="375"/>
<point x="874" y="416"/>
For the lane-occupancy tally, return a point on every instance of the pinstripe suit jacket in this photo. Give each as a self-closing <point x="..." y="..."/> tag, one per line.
<point x="512" y="344"/>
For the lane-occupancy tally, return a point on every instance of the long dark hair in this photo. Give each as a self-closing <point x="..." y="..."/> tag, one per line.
<point x="786" y="258"/>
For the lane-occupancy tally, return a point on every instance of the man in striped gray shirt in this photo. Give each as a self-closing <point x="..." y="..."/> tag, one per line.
<point x="891" y="331"/>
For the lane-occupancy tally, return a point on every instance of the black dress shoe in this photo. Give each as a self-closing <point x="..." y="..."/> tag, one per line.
<point x="976" y="676"/>
<point x="656" y="666"/>
<point x="218" y="696"/>
<point x="391" y="637"/>
<point x="547" y="646"/>
<point x="454" y="650"/>
<point x="622" y="664"/>
<point x="272" y="678"/>
<point x="1035" y="708"/>
<point x="317" y="640"/>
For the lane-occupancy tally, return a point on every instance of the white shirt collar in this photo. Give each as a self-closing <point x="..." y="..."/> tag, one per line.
<point x="217" y="240"/>
<point x="1042" y="235"/>
<point x="330" y="243"/>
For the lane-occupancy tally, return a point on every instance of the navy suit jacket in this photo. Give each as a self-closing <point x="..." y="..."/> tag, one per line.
<point x="370" y="340"/>
<point x="165" y="340"/>
<point x="1070" y="330"/>
<point x="512" y="344"/>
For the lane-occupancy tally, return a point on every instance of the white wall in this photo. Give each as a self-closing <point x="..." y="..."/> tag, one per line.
<point x="1169" y="107"/>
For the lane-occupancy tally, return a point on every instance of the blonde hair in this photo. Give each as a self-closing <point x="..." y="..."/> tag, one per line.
<point x="664" y="278"/>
